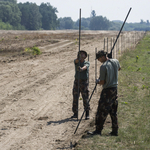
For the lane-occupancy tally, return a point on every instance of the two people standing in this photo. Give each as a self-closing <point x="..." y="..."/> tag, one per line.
<point x="108" y="102"/>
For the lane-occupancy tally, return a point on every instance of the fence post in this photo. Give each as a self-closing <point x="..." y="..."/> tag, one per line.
<point x="104" y="43"/>
<point x="107" y="44"/>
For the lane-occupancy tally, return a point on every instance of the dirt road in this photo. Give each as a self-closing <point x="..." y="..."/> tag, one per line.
<point x="36" y="91"/>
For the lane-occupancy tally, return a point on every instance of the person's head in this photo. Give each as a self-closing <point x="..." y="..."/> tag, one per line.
<point x="101" y="56"/>
<point x="83" y="54"/>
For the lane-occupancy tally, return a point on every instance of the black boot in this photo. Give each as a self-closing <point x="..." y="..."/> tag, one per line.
<point x="87" y="115"/>
<point x="114" y="132"/>
<point x="96" y="132"/>
<point x="75" y="115"/>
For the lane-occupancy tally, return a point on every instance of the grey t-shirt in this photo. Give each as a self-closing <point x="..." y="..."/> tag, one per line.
<point x="109" y="73"/>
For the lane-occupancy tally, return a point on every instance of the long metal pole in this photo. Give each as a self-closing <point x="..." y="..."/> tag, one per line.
<point x="79" y="63"/>
<point x="110" y="54"/>
<point x="89" y="73"/>
<point x="95" y="66"/>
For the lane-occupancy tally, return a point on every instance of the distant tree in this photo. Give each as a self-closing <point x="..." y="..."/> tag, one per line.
<point x="12" y="1"/>
<point x="49" y="17"/>
<point x="99" y="23"/>
<point x="141" y="21"/>
<point x="25" y="9"/>
<point x="147" y="22"/>
<point x="66" y="23"/>
<point x="31" y="17"/>
<point x="93" y="14"/>
<point x="85" y="22"/>
<point x="9" y="12"/>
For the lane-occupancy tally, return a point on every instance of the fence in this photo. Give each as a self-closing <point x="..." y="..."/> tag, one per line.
<point x="126" y="41"/>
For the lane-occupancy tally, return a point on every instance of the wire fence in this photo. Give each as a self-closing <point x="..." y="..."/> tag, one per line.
<point x="126" y="41"/>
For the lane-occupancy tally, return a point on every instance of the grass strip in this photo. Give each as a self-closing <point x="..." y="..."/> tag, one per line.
<point x="134" y="105"/>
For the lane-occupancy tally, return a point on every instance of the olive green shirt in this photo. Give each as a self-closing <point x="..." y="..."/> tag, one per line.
<point x="84" y="74"/>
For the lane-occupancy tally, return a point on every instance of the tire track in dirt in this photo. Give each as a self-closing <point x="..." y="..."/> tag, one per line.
<point x="53" y="47"/>
<point x="27" y="76"/>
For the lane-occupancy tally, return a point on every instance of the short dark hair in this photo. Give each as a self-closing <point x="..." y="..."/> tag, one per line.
<point x="82" y="51"/>
<point x="100" y="54"/>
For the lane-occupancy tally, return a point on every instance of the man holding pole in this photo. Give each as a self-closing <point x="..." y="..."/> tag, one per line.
<point x="81" y="83"/>
<point x="108" y="103"/>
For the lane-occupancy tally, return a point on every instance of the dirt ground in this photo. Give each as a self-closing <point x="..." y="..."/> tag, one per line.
<point x="36" y="91"/>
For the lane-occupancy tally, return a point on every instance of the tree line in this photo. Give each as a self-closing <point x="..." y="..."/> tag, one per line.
<point x="29" y="16"/>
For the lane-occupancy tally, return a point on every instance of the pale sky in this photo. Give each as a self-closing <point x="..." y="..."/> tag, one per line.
<point x="111" y="9"/>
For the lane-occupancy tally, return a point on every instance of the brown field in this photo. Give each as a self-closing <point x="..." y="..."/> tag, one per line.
<point x="36" y="91"/>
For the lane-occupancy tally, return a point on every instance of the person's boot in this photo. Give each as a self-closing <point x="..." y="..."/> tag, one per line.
<point x="114" y="132"/>
<point x="87" y="115"/>
<point x="75" y="115"/>
<point x="96" y="132"/>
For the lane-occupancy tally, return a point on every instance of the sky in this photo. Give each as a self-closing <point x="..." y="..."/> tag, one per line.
<point x="111" y="9"/>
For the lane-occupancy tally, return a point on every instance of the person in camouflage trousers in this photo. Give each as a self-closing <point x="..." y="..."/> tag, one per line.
<point x="108" y="102"/>
<point x="81" y="78"/>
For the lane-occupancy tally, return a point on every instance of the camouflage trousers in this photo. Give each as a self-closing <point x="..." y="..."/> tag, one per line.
<point x="108" y="104"/>
<point x="83" y="89"/>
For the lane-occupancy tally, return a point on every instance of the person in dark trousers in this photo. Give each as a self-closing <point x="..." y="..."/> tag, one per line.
<point x="81" y="78"/>
<point x="108" y="102"/>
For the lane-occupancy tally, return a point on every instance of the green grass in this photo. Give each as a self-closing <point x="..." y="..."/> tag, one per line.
<point x="134" y="105"/>
<point x="34" y="50"/>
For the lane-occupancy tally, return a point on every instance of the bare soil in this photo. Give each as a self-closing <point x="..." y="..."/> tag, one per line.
<point x="36" y="91"/>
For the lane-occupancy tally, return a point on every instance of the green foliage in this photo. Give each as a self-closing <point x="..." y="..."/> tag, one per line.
<point x="137" y="57"/>
<point x="11" y="1"/>
<point x="143" y="87"/>
<point x="138" y="69"/>
<point x="5" y="26"/>
<point x="10" y="13"/>
<point x="65" y="23"/>
<point x="85" y="23"/>
<point x="31" y="17"/>
<point x="93" y="13"/>
<point x="49" y="17"/>
<point x="33" y="50"/>
<point x="99" y="23"/>
<point x="116" y="25"/>
<point x="36" y="50"/>
<point x="135" y="88"/>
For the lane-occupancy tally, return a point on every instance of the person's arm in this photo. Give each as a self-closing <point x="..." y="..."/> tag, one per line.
<point x="76" y="60"/>
<point x="87" y="64"/>
<point x="119" y="69"/>
<point x="84" y="68"/>
<point x="101" y="82"/>
<point x="102" y="75"/>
